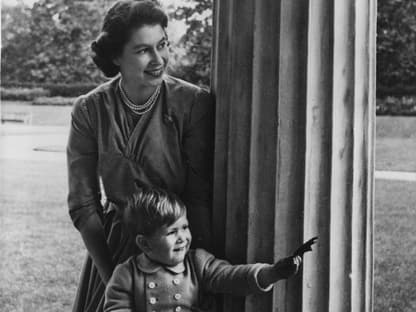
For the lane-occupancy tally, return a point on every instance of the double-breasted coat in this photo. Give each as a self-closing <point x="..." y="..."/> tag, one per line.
<point x="141" y="285"/>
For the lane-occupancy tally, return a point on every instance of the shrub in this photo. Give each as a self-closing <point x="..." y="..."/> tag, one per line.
<point x="22" y="94"/>
<point x="404" y="106"/>
<point x="395" y="90"/>
<point x="69" y="90"/>
<point x="56" y="100"/>
<point x="55" y="89"/>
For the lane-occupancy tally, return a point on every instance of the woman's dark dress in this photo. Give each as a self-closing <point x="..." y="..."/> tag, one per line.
<point x="170" y="147"/>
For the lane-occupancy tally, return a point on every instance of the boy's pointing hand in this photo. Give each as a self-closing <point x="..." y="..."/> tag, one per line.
<point x="307" y="246"/>
<point x="288" y="266"/>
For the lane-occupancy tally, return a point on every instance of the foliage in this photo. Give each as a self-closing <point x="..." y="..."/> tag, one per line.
<point x="404" y="106"/>
<point x="52" y="45"/>
<point x="396" y="43"/>
<point x="193" y="52"/>
<point x="54" y="89"/>
<point x="396" y="89"/>
<point x="22" y="94"/>
<point x="69" y="90"/>
<point x="50" y="42"/>
<point x="16" y="40"/>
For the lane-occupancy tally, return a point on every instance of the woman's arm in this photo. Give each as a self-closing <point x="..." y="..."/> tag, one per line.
<point x="84" y="191"/>
<point x="94" y="239"/>
<point x="198" y="146"/>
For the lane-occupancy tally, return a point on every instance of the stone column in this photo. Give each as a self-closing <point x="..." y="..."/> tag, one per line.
<point x="294" y="86"/>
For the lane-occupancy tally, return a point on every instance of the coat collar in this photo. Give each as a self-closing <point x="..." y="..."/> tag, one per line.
<point x="149" y="266"/>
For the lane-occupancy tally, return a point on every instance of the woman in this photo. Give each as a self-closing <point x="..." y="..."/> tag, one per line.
<point x="142" y="128"/>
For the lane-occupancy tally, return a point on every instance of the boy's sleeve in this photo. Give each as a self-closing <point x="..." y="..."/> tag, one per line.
<point x="219" y="276"/>
<point x="119" y="291"/>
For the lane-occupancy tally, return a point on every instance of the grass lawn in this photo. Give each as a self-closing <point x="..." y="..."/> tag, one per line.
<point x="395" y="247"/>
<point x="396" y="143"/>
<point x="42" y="253"/>
<point x="37" y="115"/>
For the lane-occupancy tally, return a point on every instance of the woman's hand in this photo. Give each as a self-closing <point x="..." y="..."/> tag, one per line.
<point x="93" y="235"/>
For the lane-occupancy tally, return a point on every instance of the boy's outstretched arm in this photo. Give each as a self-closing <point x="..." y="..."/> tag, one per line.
<point x="280" y="270"/>
<point x="284" y="268"/>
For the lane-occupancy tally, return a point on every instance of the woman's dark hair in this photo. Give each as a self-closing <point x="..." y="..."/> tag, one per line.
<point x="150" y="209"/>
<point x="121" y="20"/>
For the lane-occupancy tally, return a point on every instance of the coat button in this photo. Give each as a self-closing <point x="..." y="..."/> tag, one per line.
<point x="152" y="300"/>
<point x="168" y="118"/>
<point x="178" y="309"/>
<point x="177" y="296"/>
<point x="176" y="281"/>
<point x="152" y="285"/>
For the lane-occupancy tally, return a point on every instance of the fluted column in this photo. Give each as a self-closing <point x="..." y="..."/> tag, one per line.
<point x="294" y="87"/>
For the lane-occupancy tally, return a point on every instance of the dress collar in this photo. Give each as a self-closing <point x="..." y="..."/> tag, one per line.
<point x="149" y="266"/>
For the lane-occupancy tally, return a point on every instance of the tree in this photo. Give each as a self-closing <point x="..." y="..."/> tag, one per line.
<point x="16" y="41"/>
<point x="396" y="43"/>
<point x="50" y="42"/>
<point x="192" y="54"/>
<point x="54" y="46"/>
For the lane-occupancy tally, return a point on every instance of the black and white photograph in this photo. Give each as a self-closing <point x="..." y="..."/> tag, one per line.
<point x="208" y="155"/>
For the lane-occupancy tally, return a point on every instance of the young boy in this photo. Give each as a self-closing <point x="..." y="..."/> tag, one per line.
<point x="170" y="276"/>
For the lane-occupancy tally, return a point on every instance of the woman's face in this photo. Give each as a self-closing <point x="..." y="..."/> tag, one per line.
<point x="144" y="58"/>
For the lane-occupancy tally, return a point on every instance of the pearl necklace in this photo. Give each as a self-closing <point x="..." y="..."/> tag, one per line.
<point x="139" y="109"/>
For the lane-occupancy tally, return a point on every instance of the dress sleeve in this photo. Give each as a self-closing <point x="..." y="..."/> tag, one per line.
<point x="84" y="191"/>
<point x="219" y="276"/>
<point x="119" y="291"/>
<point x="198" y="146"/>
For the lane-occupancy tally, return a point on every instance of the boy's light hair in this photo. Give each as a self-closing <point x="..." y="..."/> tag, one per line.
<point x="150" y="209"/>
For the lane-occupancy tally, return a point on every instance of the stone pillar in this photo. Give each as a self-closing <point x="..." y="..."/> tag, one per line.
<point x="295" y="87"/>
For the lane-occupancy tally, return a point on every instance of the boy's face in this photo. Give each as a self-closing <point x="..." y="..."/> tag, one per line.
<point x="169" y="244"/>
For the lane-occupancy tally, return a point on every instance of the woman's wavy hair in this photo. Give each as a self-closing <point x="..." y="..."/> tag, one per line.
<point x="121" y="20"/>
<point x="151" y="208"/>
